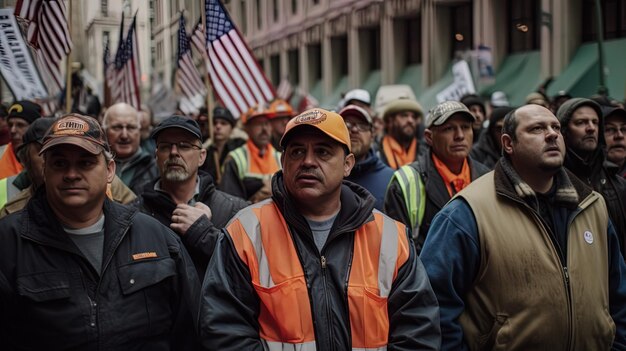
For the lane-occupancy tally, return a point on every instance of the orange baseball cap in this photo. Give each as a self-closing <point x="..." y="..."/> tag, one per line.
<point x="329" y="123"/>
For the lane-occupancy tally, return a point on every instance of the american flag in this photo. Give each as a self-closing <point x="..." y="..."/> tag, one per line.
<point x="48" y="33"/>
<point x="236" y="76"/>
<point x="110" y="73"/>
<point x="127" y="69"/>
<point x="187" y="76"/>
<point x="198" y="39"/>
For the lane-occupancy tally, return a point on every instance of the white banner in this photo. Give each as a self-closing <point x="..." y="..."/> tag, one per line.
<point x="16" y="65"/>
<point x="463" y="83"/>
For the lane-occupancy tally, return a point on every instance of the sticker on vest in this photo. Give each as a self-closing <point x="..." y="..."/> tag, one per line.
<point x="588" y="237"/>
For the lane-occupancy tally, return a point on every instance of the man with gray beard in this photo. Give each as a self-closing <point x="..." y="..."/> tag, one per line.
<point x="184" y="198"/>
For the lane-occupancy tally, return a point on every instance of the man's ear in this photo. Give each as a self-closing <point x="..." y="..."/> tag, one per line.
<point x="507" y="144"/>
<point x="348" y="164"/>
<point x="428" y="136"/>
<point x="110" y="171"/>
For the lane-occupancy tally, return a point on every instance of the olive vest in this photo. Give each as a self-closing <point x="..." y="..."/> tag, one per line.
<point x="523" y="298"/>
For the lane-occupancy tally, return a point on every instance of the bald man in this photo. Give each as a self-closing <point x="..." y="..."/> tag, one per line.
<point x="134" y="166"/>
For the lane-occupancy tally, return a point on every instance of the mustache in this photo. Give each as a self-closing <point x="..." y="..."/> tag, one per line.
<point x="309" y="172"/>
<point x="174" y="162"/>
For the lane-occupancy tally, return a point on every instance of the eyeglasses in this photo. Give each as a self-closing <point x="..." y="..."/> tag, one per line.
<point x="610" y="131"/>
<point x="118" y="128"/>
<point x="361" y="127"/>
<point x="182" y="146"/>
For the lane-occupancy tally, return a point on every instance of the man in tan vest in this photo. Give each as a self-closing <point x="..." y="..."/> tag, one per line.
<point x="525" y="257"/>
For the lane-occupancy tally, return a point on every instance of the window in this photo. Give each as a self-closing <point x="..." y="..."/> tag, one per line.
<point x="461" y="18"/>
<point x="294" y="7"/>
<point x="243" y="17"/>
<point x="413" y="45"/>
<point x="275" y="10"/>
<point x="614" y="17"/>
<point x="275" y="69"/>
<point x="523" y="25"/>
<point x="314" y="52"/>
<point x="259" y="17"/>
<point x="104" y="8"/>
<point x="294" y="66"/>
<point x="371" y="36"/>
<point x="339" y="48"/>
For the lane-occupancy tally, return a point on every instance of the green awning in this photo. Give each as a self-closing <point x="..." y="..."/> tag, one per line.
<point x="581" y="77"/>
<point x="428" y="98"/>
<point x="317" y="90"/>
<point x="412" y="76"/>
<point x="331" y="101"/>
<point x="518" y="75"/>
<point x="372" y="82"/>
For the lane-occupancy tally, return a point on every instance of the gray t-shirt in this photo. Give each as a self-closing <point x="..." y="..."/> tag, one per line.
<point x="90" y="242"/>
<point x="321" y="229"/>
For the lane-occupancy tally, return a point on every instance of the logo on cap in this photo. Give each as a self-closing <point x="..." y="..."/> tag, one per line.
<point x="71" y="126"/>
<point x="17" y="108"/>
<point x="311" y="117"/>
<point x="588" y="237"/>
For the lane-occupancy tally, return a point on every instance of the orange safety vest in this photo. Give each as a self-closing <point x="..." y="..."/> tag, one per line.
<point x="9" y="164"/>
<point x="263" y="242"/>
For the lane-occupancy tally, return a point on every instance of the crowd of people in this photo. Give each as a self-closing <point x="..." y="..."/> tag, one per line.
<point x="475" y="225"/>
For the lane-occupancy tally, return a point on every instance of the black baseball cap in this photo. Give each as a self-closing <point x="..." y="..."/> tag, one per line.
<point x="181" y="122"/>
<point x="36" y="131"/>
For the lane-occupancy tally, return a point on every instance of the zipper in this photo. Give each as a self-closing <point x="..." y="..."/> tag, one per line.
<point x="328" y="309"/>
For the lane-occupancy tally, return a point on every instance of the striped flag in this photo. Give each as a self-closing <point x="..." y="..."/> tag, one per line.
<point x="187" y="76"/>
<point x="127" y="69"/>
<point x="111" y="77"/>
<point x="48" y="33"/>
<point x="198" y="39"/>
<point x="238" y="81"/>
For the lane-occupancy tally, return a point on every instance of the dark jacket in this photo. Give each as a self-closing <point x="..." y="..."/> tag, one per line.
<point x="436" y="194"/>
<point x="598" y="173"/>
<point x="486" y="151"/>
<point x="138" y="171"/>
<point x="230" y="306"/>
<point x="51" y="297"/>
<point x="201" y="237"/>
<point x="372" y="174"/>
<point x="209" y="164"/>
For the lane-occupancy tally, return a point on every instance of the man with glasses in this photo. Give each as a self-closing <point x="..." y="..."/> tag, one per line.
<point x="184" y="198"/>
<point x="134" y="166"/>
<point x="369" y="171"/>
<point x="615" y="135"/>
<point x="249" y="168"/>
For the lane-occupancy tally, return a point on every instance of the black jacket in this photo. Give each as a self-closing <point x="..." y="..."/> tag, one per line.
<point x="138" y="171"/>
<point x="230" y="306"/>
<point x="51" y="298"/>
<point x="436" y="193"/>
<point x="209" y="165"/>
<point x="201" y="237"/>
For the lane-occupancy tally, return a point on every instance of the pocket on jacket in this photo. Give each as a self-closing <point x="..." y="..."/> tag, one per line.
<point x="369" y="318"/>
<point x="139" y="275"/>
<point x="285" y="314"/>
<point x="44" y="286"/>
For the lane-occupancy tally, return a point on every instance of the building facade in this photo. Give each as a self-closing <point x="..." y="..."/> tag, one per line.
<point x="330" y="46"/>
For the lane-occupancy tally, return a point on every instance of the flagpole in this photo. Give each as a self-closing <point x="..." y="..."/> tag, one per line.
<point x="68" y="70"/>
<point x="209" y="104"/>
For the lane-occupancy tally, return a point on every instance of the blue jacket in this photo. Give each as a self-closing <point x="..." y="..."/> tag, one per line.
<point x="372" y="174"/>
<point x="451" y="256"/>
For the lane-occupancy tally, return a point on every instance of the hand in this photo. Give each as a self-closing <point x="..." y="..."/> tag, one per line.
<point x="184" y="216"/>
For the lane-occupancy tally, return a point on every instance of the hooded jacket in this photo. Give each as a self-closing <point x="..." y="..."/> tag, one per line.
<point x="201" y="237"/>
<point x="485" y="149"/>
<point x="51" y="298"/>
<point x="597" y="172"/>
<point x="372" y="174"/>
<point x="229" y="301"/>
<point x="138" y="171"/>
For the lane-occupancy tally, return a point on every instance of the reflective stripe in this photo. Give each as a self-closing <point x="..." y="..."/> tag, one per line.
<point x="281" y="346"/>
<point x="388" y="255"/>
<point x="3" y="192"/>
<point x="251" y="225"/>
<point x="240" y="156"/>
<point x="382" y="348"/>
<point x="414" y="194"/>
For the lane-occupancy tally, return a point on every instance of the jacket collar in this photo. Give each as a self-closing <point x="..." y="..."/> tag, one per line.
<point x="569" y="193"/>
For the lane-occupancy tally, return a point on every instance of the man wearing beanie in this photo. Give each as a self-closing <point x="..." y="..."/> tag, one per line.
<point x="222" y="143"/>
<point x="21" y="115"/>
<point x="582" y="124"/>
<point x="488" y="149"/>
<point x="476" y="107"/>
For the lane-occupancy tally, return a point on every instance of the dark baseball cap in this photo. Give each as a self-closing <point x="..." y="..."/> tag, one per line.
<point x="26" y="110"/>
<point x="181" y="122"/>
<point x="36" y="131"/>
<point x="222" y="113"/>
<point x="79" y="130"/>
